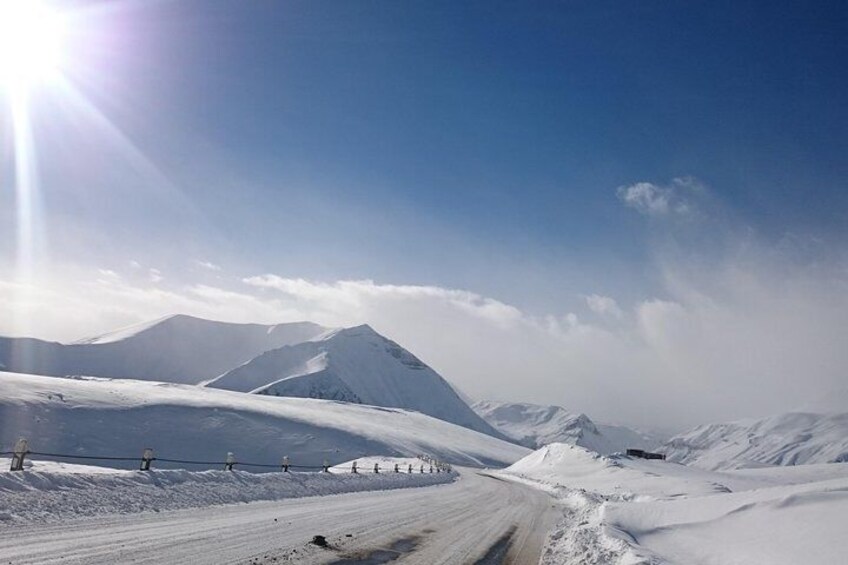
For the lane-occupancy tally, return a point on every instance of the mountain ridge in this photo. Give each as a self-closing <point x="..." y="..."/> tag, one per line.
<point x="534" y="426"/>
<point x="791" y="438"/>
<point x="179" y="348"/>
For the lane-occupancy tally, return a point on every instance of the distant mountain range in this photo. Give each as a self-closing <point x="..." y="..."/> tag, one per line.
<point x="793" y="438"/>
<point x="534" y="426"/>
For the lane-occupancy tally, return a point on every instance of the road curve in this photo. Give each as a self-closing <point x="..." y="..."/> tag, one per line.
<point x="477" y="519"/>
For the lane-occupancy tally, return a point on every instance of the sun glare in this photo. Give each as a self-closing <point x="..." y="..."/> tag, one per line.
<point x="30" y="42"/>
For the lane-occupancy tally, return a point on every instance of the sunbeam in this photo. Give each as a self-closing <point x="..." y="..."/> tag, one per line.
<point x="38" y="56"/>
<point x="155" y="180"/>
<point x="28" y="202"/>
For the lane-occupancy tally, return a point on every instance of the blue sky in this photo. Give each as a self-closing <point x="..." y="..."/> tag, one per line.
<point x="378" y="134"/>
<point x="470" y="145"/>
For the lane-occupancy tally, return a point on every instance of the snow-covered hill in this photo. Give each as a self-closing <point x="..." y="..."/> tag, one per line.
<point x="793" y="438"/>
<point x="121" y="417"/>
<point x="179" y="349"/>
<point x="354" y="365"/>
<point x="533" y="426"/>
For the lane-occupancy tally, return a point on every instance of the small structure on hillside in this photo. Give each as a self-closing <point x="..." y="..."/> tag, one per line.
<point x="641" y="453"/>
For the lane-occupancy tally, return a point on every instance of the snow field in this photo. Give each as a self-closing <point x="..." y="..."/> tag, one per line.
<point x="618" y="510"/>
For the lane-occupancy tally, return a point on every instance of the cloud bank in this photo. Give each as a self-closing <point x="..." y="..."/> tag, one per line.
<point x="743" y="341"/>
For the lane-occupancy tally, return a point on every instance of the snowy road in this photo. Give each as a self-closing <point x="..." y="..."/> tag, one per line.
<point x="477" y="519"/>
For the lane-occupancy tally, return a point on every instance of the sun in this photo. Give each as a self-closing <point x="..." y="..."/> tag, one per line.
<point x="31" y="35"/>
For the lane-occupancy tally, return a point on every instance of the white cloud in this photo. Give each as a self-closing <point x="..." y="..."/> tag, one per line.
<point x="206" y="265"/>
<point x="155" y="275"/>
<point x="359" y="297"/>
<point x="603" y="305"/>
<point x="676" y="198"/>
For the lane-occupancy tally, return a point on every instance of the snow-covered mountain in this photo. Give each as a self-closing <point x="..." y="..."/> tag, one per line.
<point x="179" y="349"/>
<point x="534" y="426"/>
<point x="121" y="417"/>
<point x="297" y="360"/>
<point x="354" y="365"/>
<point x="793" y="438"/>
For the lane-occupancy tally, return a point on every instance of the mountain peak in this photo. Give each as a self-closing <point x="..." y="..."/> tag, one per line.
<point x="354" y="364"/>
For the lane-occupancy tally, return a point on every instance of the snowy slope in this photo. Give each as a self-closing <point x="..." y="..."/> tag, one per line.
<point x="354" y="365"/>
<point x="120" y="417"/>
<point x="533" y="426"/>
<point x="622" y="510"/>
<point x="179" y="349"/>
<point x="793" y="438"/>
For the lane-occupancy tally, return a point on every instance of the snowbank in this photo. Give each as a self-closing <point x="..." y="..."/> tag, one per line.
<point x="627" y="511"/>
<point x="787" y="524"/>
<point x="57" y="495"/>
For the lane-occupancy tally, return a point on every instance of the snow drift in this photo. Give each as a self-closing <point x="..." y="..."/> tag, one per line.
<point x="622" y="510"/>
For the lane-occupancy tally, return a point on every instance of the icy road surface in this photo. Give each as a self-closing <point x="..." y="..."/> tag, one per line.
<point x="477" y="519"/>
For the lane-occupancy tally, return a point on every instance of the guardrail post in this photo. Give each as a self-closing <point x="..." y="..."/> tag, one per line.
<point x="231" y="460"/>
<point x="146" y="458"/>
<point x="21" y="450"/>
<point x="422" y="467"/>
<point x="285" y="465"/>
<point x="376" y="468"/>
<point x="353" y="468"/>
<point x="431" y="468"/>
<point x="396" y="468"/>
<point x="326" y="466"/>
<point x="410" y="468"/>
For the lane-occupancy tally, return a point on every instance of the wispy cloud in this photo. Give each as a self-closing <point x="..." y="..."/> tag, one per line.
<point x="604" y="305"/>
<point x="208" y="265"/>
<point x="675" y="198"/>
